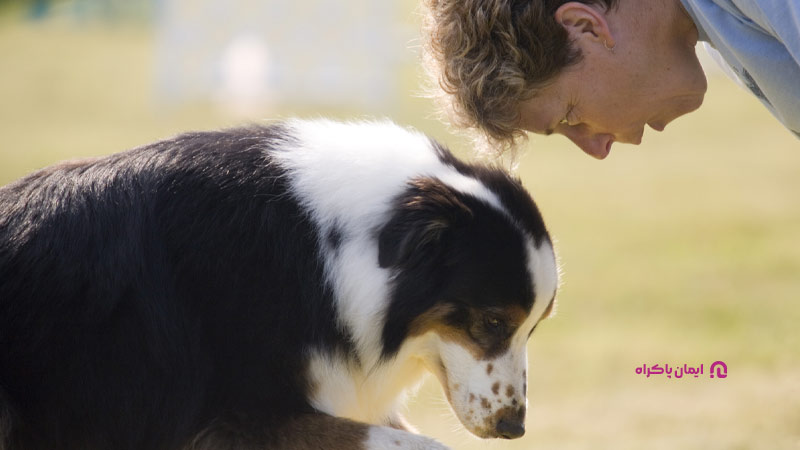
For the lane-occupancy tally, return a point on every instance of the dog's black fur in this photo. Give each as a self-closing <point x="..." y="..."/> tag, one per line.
<point x="132" y="295"/>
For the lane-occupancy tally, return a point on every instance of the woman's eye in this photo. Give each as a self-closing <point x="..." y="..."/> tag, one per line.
<point x="567" y="116"/>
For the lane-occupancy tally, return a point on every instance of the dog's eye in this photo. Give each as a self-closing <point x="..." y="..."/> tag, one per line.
<point x="495" y="325"/>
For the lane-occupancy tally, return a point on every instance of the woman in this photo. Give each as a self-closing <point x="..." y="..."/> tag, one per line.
<point x="598" y="71"/>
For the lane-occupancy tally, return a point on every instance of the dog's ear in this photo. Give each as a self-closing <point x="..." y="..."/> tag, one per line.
<point x="424" y="215"/>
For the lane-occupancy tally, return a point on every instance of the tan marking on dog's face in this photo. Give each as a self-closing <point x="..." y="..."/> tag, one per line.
<point x="434" y="320"/>
<point x="485" y="333"/>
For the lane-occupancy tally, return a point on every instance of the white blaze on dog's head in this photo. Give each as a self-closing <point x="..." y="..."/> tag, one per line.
<point x="472" y="278"/>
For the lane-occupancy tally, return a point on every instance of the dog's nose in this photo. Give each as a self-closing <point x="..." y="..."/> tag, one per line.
<point x="510" y="423"/>
<point x="510" y="428"/>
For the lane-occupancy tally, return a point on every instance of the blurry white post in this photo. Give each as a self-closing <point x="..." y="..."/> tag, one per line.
<point x="244" y="76"/>
<point x="250" y="54"/>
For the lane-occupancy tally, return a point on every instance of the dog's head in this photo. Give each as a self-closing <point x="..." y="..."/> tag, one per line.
<point x="473" y="272"/>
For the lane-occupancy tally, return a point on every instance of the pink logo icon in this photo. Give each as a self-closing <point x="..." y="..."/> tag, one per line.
<point x="721" y="369"/>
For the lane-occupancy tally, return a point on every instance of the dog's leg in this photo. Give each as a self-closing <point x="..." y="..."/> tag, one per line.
<point x="315" y="431"/>
<point x="385" y="438"/>
<point x="312" y="432"/>
<point x="323" y="431"/>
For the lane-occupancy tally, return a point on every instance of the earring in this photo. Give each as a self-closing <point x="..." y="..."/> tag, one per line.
<point x="611" y="49"/>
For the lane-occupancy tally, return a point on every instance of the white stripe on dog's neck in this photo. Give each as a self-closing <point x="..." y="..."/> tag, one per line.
<point x="347" y="180"/>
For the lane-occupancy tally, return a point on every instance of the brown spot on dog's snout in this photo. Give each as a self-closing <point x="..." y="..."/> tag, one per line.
<point x="489" y="369"/>
<point x="485" y="403"/>
<point x="510" y="391"/>
<point x="496" y="387"/>
<point x="525" y="383"/>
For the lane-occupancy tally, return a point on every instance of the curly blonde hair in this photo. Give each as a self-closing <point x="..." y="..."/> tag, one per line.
<point x="485" y="57"/>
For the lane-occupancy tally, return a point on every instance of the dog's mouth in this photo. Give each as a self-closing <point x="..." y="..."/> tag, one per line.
<point x="441" y="373"/>
<point x="487" y="418"/>
<point x="489" y="412"/>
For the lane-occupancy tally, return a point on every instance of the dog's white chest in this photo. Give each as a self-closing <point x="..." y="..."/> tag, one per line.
<point x="343" y="390"/>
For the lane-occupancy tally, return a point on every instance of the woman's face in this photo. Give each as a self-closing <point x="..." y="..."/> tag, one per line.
<point x="650" y="77"/>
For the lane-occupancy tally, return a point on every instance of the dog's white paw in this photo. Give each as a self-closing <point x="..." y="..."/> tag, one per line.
<point x="384" y="438"/>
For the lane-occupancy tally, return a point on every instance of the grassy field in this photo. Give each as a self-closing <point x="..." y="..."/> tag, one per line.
<point x="685" y="250"/>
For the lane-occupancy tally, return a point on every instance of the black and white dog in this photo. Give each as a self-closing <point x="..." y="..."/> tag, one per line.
<point x="272" y="287"/>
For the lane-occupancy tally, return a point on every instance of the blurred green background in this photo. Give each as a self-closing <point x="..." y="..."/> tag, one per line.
<point x="685" y="250"/>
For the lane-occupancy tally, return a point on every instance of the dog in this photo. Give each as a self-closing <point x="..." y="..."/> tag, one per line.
<point x="280" y="286"/>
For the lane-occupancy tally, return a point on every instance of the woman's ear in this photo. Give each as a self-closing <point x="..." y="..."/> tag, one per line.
<point x="585" y="23"/>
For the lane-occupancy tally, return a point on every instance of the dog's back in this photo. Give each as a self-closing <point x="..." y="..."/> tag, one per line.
<point x="137" y="290"/>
